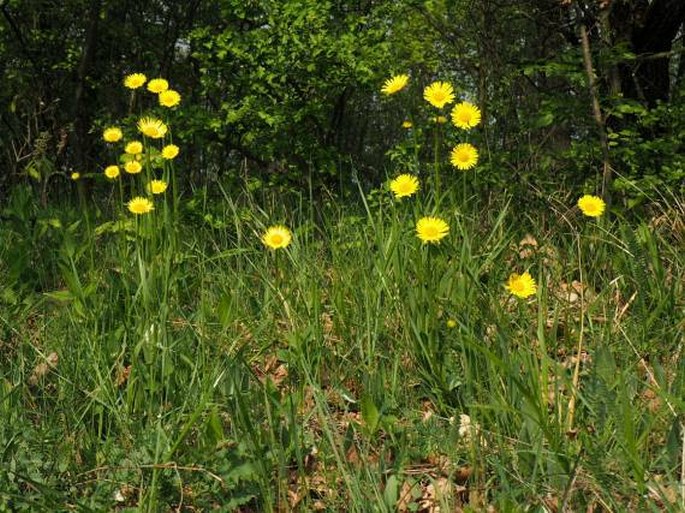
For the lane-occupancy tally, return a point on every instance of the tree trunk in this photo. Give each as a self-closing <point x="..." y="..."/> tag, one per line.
<point x="649" y="28"/>
<point x="81" y="114"/>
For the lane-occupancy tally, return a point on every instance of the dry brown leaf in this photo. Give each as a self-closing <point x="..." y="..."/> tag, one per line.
<point x="43" y="368"/>
<point x="406" y="497"/>
<point x="123" y="375"/>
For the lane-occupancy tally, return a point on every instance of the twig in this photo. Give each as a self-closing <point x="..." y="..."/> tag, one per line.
<point x="576" y="371"/>
<point x="597" y="114"/>
<point x="159" y="466"/>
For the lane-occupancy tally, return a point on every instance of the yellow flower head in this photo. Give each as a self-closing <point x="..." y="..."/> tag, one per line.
<point x="112" y="172"/>
<point x="407" y="124"/>
<point x="112" y="134"/>
<point x="169" y="98"/>
<point x="156" y="186"/>
<point x="440" y="120"/>
<point x="464" y="156"/>
<point x="152" y="127"/>
<point x="439" y="94"/>
<point x="395" y="84"/>
<point x="75" y="175"/>
<point x="170" y="151"/>
<point x="277" y="237"/>
<point x="140" y="205"/>
<point x="157" y="85"/>
<point x="521" y="285"/>
<point x="404" y="185"/>
<point x="451" y="323"/>
<point x="133" y="167"/>
<point x="135" y="80"/>
<point x="134" y="148"/>
<point x="591" y="206"/>
<point x="431" y="229"/>
<point x="465" y="115"/>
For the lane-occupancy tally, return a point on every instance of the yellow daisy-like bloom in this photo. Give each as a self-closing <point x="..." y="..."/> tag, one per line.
<point x="140" y="205"/>
<point x="465" y="115"/>
<point x="407" y="124"/>
<point x="464" y="156"/>
<point x="75" y="175"/>
<point x="133" y="167"/>
<point x="170" y="151"/>
<point x="112" y="172"/>
<point x="404" y="185"/>
<point x="277" y="237"/>
<point x="112" y="134"/>
<point x="439" y="94"/>
<point x="521" y="285"/>
<point x="395" y="84"/>
<point x="431" y="229"/>
<point x="157" y="85"/>
<point x="156" y="186"/>
<point x="169" y="98"/>
<point x="153" y="128"/>
<point x="591" y="206"/>
<point x="134" y="148"/>
<point x="135" y="80"/>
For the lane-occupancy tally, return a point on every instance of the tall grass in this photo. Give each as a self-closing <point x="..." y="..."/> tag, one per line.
<point x="182" y="365"/>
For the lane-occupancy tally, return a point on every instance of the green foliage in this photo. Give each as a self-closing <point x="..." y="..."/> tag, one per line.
<point x="283" y="76"/>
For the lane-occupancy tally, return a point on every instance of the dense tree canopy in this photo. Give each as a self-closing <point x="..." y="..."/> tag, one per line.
<point x="293" y="85"/>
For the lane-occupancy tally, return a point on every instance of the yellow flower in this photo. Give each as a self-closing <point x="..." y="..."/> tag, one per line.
<point x="465" y="115"/>
<point x="407" y="124"/>
<point x="134" y="148"/>
<point x="170" y="151"/>
<point x="591" y="206"/>
<point x="157" y="85"/>
<point x="441" y="120"/>
<point x="152" y="127"/>
<point x="112" y="134"/>
<point x="521" y="285"/>
<point x="464" y="156"/>
<point x="431" y="229"/>
<point x="439" y="94"/>
<point x="135" y="80"/>
<point x="156" y="186"/>
<point x="277" y="237"/>
<point x="451" y="323"/>
<point x="112" y="172"/>
<point x="133" y="167"/>
<point x="404" y="185"/>
<point x="169" y="98"/>
<point x="75" y="175"/>
<point x="140" y="205"/>
<point x="395" y="84"/>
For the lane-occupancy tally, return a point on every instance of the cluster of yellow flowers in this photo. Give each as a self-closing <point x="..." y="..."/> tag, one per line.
<point x="137" y="152"/>
<point x="464" y="115"/>
<point x="159" y="86"/>
<point x="463" y="156"/>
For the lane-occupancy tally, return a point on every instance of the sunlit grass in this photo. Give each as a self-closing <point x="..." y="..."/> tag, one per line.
<point x="332" y="373"/>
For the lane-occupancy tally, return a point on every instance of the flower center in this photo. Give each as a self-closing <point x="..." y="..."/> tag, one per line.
<point x="277" y="238"/>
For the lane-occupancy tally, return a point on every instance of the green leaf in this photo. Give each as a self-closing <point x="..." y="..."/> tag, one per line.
<point x="370" y="413"/>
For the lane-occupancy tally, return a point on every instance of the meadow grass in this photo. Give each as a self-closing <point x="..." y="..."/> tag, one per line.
<point x="174" y="363"/>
